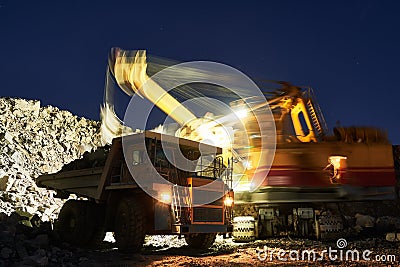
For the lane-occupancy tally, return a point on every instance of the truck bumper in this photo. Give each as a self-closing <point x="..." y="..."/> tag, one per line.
<point x="204" y="228"/>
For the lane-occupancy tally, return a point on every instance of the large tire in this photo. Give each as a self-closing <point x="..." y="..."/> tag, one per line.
<point x="95" y="218"/>
<point x="72" y="226"/>
<point x="129" y="230"/>
<point x="244" y="229"/>
<point x="97" y="238"/>
<point x="202" y="240"/>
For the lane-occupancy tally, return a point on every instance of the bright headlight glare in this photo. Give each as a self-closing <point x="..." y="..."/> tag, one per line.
<point x="248" y="164"/>
<point x="166" y="197"/>
<point x="241" y="113"/>
<point x="337" y="161"/>
<point x="228" y="201"/>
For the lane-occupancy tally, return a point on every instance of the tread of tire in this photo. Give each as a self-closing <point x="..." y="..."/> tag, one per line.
<point x="134" y="236"/>
<point x="200" y="240"/>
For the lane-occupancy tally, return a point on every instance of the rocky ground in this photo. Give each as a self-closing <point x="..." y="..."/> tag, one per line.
<point x="23" y="245"/>
<point x="36" y="140"/>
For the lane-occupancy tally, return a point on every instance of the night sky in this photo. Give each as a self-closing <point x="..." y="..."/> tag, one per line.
<point x="348" y="51"/>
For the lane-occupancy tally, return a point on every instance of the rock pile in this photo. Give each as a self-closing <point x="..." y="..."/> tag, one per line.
<point x="36" y="140"/>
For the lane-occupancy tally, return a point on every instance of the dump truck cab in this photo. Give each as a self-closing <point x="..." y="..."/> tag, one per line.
<point x="142" y="184"/>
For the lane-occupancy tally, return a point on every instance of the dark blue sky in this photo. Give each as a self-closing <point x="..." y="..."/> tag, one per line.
<point x="348" y="51"/>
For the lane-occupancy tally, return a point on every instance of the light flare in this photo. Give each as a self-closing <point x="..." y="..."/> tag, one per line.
<point x="130" y="74"/>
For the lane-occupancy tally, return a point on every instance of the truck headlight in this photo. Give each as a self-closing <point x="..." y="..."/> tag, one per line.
<point x="166" y="197"/>
<point x="228" y="201"/>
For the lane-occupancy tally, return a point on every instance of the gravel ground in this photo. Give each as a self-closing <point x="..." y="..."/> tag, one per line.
<point x="172" y="251"/>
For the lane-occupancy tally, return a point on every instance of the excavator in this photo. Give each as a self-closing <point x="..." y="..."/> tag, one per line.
<point x="298" y="188"/>
<point x="312" y="172"/>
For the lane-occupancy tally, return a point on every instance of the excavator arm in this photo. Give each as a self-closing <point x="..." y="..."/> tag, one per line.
<point x="129" y="70"/>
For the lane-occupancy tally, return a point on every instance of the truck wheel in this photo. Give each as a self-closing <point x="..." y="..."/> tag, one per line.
<point x="97" y="238"/>
<point x="200" y="240"/>
<point x="129" y="229"/>
<point x="95" y="221"/>
<point x="244" y="229"/>
<point x="72" y="225"/>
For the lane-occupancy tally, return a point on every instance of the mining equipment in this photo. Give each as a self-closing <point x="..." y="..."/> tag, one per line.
<point x="110" y="199"/>
<point x="313" y="173"/>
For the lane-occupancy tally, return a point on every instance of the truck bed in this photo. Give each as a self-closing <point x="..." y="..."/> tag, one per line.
<point x="83" y="182"/>
<point x="98" y="173"/>
<point x="81" y="176"/>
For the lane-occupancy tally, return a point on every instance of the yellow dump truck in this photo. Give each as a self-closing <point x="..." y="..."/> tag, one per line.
<point x="112" y="200"/>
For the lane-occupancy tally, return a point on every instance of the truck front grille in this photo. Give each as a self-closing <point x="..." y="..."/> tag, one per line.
<point x="201" y="214"/>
